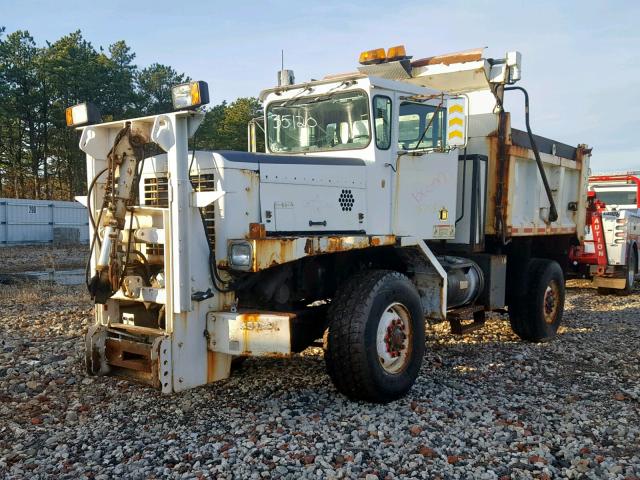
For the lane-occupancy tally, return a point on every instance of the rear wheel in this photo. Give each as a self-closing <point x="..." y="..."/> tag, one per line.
<point x="536" y="313"/>
<point x="375" y="340"/>
<point x="630" y="273"/>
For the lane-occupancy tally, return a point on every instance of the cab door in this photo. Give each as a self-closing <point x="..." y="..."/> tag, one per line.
<point x="426" y="175"/>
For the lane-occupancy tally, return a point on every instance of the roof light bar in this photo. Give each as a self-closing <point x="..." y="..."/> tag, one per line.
<point x="378" y="55"/>
<point x="371" y="57"/>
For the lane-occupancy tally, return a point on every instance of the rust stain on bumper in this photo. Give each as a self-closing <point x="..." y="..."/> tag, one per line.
<point x="269" y="252"/>
<point x="254" y="326"/>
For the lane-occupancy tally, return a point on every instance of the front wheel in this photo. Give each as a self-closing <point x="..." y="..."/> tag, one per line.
<point x="375" y="340"/>
<point x="536" y="313"/>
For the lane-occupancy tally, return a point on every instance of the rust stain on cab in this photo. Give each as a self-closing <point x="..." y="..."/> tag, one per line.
<point x="269" y="252"/>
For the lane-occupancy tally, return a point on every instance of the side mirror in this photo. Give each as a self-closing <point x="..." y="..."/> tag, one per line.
<point x="457" y="122"/>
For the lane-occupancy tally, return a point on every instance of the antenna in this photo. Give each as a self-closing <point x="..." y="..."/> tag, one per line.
<point x="285" y="77"/>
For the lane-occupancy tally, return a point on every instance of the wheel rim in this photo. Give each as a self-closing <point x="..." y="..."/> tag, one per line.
<point x="551" y="302"/>
<point x="394" y="338"/>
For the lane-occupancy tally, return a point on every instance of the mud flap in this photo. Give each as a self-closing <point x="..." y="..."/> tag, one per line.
<point x="428" y="276"/>
<point x="609" y="282"/>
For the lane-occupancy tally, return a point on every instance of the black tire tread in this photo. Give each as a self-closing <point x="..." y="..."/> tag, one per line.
<point x="522" y="314"/>
<point x="345" y="356"/>
<point x="631" y="263"/>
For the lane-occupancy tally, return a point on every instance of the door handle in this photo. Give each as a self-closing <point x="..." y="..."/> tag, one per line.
<point x="317" y="224"/>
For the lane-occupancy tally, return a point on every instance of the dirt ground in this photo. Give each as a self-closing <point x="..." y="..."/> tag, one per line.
<point x="16" y="259"/>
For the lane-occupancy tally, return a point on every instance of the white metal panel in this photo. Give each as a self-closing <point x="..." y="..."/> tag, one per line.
<point x="33" y="221"/>
<point x="255" y="334"/>
<point x="302" y="208"/>
<point x="528" y="206"/>
<point x="465" y="199"/>
<point x="179" y="205"/>
<point x="622" y="221"/>
<point x="456" y="78"/>
<point x="306" y="197"/>
<point x="616" y="251"/>
<point x="426" y="187"/>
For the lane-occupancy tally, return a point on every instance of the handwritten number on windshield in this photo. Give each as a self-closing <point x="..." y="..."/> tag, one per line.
<point x="294" y="121"/>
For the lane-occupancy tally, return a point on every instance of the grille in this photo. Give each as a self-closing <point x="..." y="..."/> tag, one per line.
<point x="154" y="249"/>
<point x="346" y="200"/>
<point x="206" y="183"/>
<point x="156" y="192"/>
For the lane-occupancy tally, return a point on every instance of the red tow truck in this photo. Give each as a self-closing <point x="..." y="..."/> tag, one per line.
<point x="609" y="253"/>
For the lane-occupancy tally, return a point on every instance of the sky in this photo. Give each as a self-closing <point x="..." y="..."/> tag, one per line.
<point x="580" y="59"/>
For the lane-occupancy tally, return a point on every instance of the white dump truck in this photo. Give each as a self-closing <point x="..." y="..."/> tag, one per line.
<point x="386" y="196"/>
<point x="609" y="254"/>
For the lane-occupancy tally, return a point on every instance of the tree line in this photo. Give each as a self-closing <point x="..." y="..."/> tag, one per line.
<point x="39" y="154"/>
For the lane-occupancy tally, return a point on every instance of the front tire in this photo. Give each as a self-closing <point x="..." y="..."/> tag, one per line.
<point x="376" y="337"/>
<point x="537" y="312"/>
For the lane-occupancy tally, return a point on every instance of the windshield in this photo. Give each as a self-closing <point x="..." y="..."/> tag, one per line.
<point x="617" y="197"/>
<point x="336" y="121"/>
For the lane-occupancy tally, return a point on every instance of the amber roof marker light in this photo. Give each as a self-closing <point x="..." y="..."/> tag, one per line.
<point x="371" y="57"/>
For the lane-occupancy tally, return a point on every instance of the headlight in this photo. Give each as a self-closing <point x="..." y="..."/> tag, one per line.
<point x="190" y="95"/>
<point x="240" y="255"/>
<point x="83" y="114"/>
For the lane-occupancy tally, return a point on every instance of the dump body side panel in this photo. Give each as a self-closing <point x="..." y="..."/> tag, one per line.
<point x="517" y="204"/>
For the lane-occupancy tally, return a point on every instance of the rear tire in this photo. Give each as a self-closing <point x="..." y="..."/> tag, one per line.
<point x="375" y="341"/>
<point x="536" y="314"/>
<point x="629" y="273"/>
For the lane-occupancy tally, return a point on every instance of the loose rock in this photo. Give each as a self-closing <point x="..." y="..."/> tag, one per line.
<point x="486" y="405"/>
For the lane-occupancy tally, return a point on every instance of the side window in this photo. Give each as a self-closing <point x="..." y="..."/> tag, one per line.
<point x="382" y="121"/>
<point x="414" y="119"/>
<point x="409" y="130"/>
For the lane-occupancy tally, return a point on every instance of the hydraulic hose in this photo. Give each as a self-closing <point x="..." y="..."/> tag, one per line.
<point x="89" y="192"/>
<point x="553" y="212"/>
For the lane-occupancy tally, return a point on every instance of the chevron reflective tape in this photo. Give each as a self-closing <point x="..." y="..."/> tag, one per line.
<point x="456" y="121"/>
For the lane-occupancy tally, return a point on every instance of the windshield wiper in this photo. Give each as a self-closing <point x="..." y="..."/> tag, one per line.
<point x="329" y="93"/>
<point x="293" y="99"/>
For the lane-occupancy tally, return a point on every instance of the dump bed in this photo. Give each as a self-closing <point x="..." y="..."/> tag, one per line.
<point x="516" y="200"/>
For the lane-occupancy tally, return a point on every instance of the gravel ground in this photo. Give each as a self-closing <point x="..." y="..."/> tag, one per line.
<point x="17" y="259"/>
<point x="485" y="406"/>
